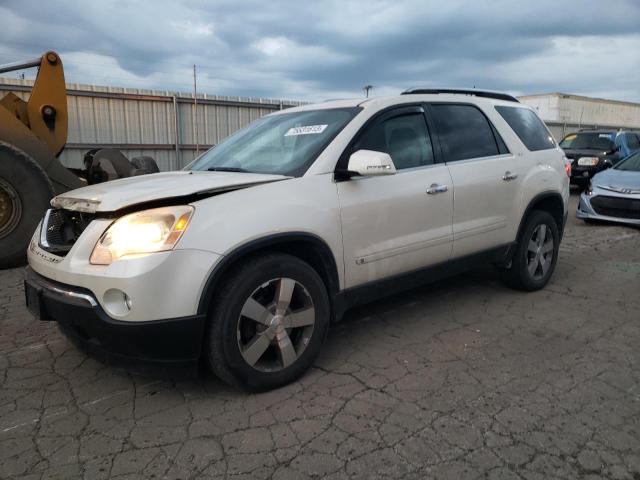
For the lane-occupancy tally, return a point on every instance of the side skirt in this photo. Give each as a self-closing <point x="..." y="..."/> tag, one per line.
<point x="368" y="292"/>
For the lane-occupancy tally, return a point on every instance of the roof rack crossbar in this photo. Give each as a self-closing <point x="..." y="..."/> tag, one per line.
<point x="463" y="91"/>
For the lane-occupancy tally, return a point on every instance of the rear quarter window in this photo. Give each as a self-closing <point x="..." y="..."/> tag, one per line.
<point x="528" y="127"/>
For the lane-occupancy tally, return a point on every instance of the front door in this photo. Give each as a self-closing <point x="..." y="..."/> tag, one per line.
<point x="397" y="223"/>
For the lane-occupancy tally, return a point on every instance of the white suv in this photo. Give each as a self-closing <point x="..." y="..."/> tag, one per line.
<point x="245" y="257"/>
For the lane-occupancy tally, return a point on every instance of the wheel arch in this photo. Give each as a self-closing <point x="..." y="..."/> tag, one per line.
<point x="550" y="202"/>
<point x="306" y="246"/>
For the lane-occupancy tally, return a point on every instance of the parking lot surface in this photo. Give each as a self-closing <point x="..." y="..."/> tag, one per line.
<point x="460" y="379"/>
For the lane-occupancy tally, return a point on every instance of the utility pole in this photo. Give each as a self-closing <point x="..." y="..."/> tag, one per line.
<point x="195" y="111"/>
<point x="366" y="89"/>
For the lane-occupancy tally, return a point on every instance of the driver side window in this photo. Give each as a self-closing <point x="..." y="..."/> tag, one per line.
<point x="404" y="137"/>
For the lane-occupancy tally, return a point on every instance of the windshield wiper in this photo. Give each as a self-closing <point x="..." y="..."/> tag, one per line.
<point x="228" y="169"/>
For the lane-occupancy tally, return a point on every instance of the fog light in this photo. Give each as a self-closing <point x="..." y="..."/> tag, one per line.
<point x="116" y="302"/>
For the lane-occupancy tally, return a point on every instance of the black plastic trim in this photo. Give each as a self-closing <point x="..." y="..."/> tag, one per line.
<point x="531" y="206"/>
<point x="462" y="91"/>
<point x="168" y="346"/>
<point x="389" y="286"/>
<point x="266" y="243"/>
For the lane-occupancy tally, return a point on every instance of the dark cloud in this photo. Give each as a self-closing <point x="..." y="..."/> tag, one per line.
<point x="314" y="50"/>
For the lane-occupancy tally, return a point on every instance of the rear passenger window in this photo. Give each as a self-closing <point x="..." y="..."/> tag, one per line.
<point x="464" y="132"/>
<point x="529" y="128"/>
<point x="405" y="138"/>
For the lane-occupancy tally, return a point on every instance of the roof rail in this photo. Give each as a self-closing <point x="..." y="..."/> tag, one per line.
<point x="462" y="91"/>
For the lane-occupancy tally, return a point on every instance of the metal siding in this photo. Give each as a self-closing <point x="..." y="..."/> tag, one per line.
<point x="95" y="120"/>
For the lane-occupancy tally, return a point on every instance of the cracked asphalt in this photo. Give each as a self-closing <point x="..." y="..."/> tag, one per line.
<point x="463" y="379"/>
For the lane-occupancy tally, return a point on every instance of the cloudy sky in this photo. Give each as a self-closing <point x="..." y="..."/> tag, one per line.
<point x="330" y="49"/>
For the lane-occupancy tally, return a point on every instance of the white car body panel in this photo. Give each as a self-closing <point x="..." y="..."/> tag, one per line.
<point x="390" y="224"/>
<point x="117" y="194"/>
<point x="307" y="204"/>
<point x="160" y="285"/>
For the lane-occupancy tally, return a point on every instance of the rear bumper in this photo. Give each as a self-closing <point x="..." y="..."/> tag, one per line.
<point x="166" y="347"/>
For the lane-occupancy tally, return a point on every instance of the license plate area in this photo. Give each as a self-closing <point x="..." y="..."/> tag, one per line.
<point x="33" y="300"/>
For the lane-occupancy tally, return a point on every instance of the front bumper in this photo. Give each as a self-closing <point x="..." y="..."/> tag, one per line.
<point x="170" y="346"/>
<point x="586" y="210"/>
<point x="582" y="174"/>
<point x="160" y="285"/>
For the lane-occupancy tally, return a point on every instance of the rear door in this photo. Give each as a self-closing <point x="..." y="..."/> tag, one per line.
<point x="392" y="224"/>
<point x="486" y="177"/>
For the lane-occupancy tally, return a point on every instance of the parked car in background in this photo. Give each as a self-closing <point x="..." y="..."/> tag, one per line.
<point x="591" y="151"/>
<point x="614" y="194"/>
<point x="246" y="256"/>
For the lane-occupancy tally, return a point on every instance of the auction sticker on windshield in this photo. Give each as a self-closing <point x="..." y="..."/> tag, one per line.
<point x="308" y="130"/>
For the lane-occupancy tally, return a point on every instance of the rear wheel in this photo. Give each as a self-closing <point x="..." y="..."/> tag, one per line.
<point x="536" y="255"/>
<point x="25" y="191"/>
<point x="268" y="322"/>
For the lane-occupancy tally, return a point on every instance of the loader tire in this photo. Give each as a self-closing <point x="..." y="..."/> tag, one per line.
<point x="25" y="192"/>
<point x="145" y="164"/>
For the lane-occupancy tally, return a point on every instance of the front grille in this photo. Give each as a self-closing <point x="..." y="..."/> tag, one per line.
<point x="61" y="228"/>
<point x="616" y="206"/>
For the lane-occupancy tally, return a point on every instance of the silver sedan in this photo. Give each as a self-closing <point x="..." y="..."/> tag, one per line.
<point x="614" y="194"/>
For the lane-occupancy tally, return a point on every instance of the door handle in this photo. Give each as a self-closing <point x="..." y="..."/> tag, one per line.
<point x="508" y="176"/>
<point x="436" y="188"/>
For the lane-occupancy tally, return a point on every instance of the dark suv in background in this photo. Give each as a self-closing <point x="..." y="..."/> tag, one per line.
<point x="591" y="151"/>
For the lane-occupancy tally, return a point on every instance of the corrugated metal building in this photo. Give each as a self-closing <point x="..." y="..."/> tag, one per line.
<point x="565" y="113"/>
<point x="160" y="124"/>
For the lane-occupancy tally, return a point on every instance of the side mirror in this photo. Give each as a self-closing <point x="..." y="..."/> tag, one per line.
<point x="369" y="163"/>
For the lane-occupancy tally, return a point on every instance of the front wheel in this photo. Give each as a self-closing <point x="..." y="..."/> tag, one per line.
<point x="268" y="322"/>
<point x="536" y="255"/>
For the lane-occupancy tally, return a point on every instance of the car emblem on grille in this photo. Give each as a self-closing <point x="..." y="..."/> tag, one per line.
<point x="51" y="228"/>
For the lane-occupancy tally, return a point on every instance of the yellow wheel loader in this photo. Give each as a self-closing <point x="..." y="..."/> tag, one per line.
<point x="33" y="133"/>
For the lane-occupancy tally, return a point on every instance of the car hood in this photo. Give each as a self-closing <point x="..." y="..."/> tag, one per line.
<point x="617" y="180"/>
<point x="573" y="153"/>
<point x="126" y="192"/>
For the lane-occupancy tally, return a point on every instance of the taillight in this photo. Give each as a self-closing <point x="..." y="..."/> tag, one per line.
<point x="567" y="168"/>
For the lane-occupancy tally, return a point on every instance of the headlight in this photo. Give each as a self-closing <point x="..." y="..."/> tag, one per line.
<point x="588" y="161"/>
<point x="149" y="231"/>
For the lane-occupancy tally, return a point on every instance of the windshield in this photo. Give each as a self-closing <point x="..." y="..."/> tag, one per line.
<point x="630" y="164"/>
<point x="589" y="141"/>
<point x="284" y="144"/>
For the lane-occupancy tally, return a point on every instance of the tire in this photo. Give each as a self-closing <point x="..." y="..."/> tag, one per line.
<point x="528" y="258"/>
<point x="25" y="192"/>
<point x="146" y="164"/>
<point x="248" y="289"/>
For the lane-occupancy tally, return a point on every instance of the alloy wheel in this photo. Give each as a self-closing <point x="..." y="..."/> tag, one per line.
<point x="275" y="324"/>
<point x="540" y="252"/>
